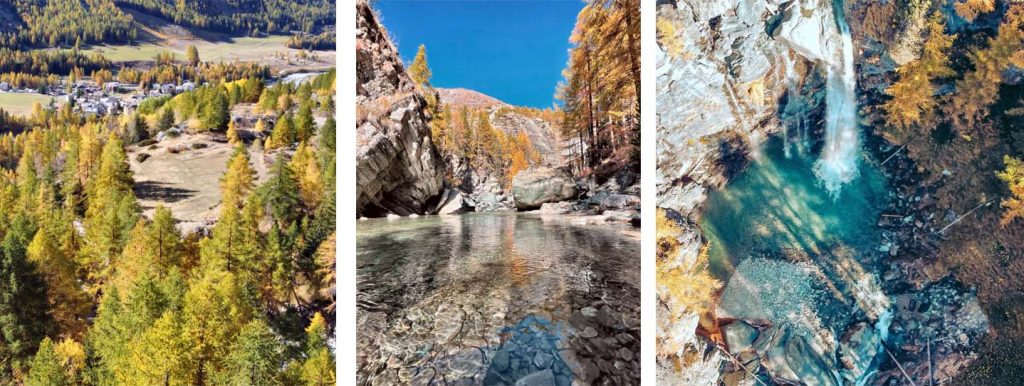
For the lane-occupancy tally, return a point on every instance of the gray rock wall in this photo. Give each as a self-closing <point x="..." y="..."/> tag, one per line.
<point x="398" y="169"/>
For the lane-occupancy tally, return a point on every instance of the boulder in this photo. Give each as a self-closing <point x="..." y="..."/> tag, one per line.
<point x="533" y="187"/>
<point x="556" y="207"/>
<point x="540" y="378"/>
<point x="809" y="28"/>
<point x="857" y="349"/>
<point x="452" y="202"/>
<point x="620" y="201"/>
<point x="740" y="336"/>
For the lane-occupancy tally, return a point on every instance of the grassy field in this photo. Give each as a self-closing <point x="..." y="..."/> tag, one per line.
<point x="21" y="103"/>
<point x="243" y="48"/>
<point x="268" y="50"/>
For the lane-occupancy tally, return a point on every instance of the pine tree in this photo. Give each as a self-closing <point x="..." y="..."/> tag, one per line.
<point x="46" y="368"/>
<point x="304" y="124"/>
<point x="255" y="358"/>
<point x="68" y="304"/>
<point x="418" y="70"/>
<point x="216" y="112"/>
<point x="166" y="119"/>
<point x="281" y="192"/>
<point x="24" y="319"/>
<point x="284" y="132"/>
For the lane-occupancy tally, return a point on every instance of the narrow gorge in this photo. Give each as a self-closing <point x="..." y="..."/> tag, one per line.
<point x="496" y="244"/>
<point x="806" y="235"/>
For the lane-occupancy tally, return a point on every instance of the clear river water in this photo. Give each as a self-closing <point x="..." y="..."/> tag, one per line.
<point x="497" y="299"/>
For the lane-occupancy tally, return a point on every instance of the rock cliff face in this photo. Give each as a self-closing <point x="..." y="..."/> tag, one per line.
<point x="398" y="170"/>
<point x="716" y="95"/>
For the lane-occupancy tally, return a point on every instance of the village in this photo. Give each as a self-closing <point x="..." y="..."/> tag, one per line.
<point x="111" y="98"/>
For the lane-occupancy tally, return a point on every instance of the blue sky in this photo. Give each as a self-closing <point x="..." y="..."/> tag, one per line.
<point x="511" y="50"/>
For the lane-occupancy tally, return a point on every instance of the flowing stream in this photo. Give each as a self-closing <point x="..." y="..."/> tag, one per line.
<point x="497" y="299"/>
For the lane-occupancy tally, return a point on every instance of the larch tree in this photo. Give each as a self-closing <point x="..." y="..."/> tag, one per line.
<point x="309" y="176"/>
<point x="284" y="132"/>
<point x="419" y="71"/>
<point x="979" y="88"/>
<point x="913" y="95"/>
<point x="318" y="369"/>
<point x="112" y="212"/>
<point x="159" y="354"/>
<point x="216" y="308"/>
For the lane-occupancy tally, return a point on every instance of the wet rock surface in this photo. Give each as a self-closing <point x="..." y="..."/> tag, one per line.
<point x="497" y="299"/>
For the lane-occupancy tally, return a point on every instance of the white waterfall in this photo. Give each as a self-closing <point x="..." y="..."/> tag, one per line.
<point x="819" y="33"/>
<point x="838" y="162"/>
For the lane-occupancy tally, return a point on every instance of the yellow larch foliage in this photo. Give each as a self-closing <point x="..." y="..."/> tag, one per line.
<point x="1013" y="175"/>
<point x="913" y="95"/>
<point x="684" y="283"/>
<point x="979" y="89"/>
<point x="232" y="133"/>
<point x="310" y="178"/>
<point x="72" y="355"/>
<point x="970" y="9"/>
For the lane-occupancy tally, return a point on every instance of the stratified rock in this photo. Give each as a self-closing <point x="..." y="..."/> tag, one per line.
<point x="535" y="186"/>
<point x="398" y="170"/>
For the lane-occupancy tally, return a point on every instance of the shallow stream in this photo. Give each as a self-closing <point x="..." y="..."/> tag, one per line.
<point x="497" y="299"/>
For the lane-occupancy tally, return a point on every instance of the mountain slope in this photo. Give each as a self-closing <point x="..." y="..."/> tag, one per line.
<point x="466" y="97"/>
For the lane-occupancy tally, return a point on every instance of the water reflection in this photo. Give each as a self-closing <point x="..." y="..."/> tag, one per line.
<point x="488" y="298"/>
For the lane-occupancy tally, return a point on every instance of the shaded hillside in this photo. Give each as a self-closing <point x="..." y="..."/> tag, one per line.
<point x="66" y="23"/>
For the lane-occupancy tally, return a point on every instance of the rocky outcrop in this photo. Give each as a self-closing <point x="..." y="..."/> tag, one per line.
<point x="539" y="185"/>
<point x="398" y="170"/>
<point x="714" y="98"/>
<point x="720" y="92"/>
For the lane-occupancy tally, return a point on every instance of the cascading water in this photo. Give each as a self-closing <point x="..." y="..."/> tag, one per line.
<point x="839" y="157"/>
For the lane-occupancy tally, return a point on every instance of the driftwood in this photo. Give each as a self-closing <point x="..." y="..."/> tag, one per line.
<point x="898" y="365"/>
<point x="737" y="361"/>
<point x="964" y="215"/>
<point x="893" y="155"/>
